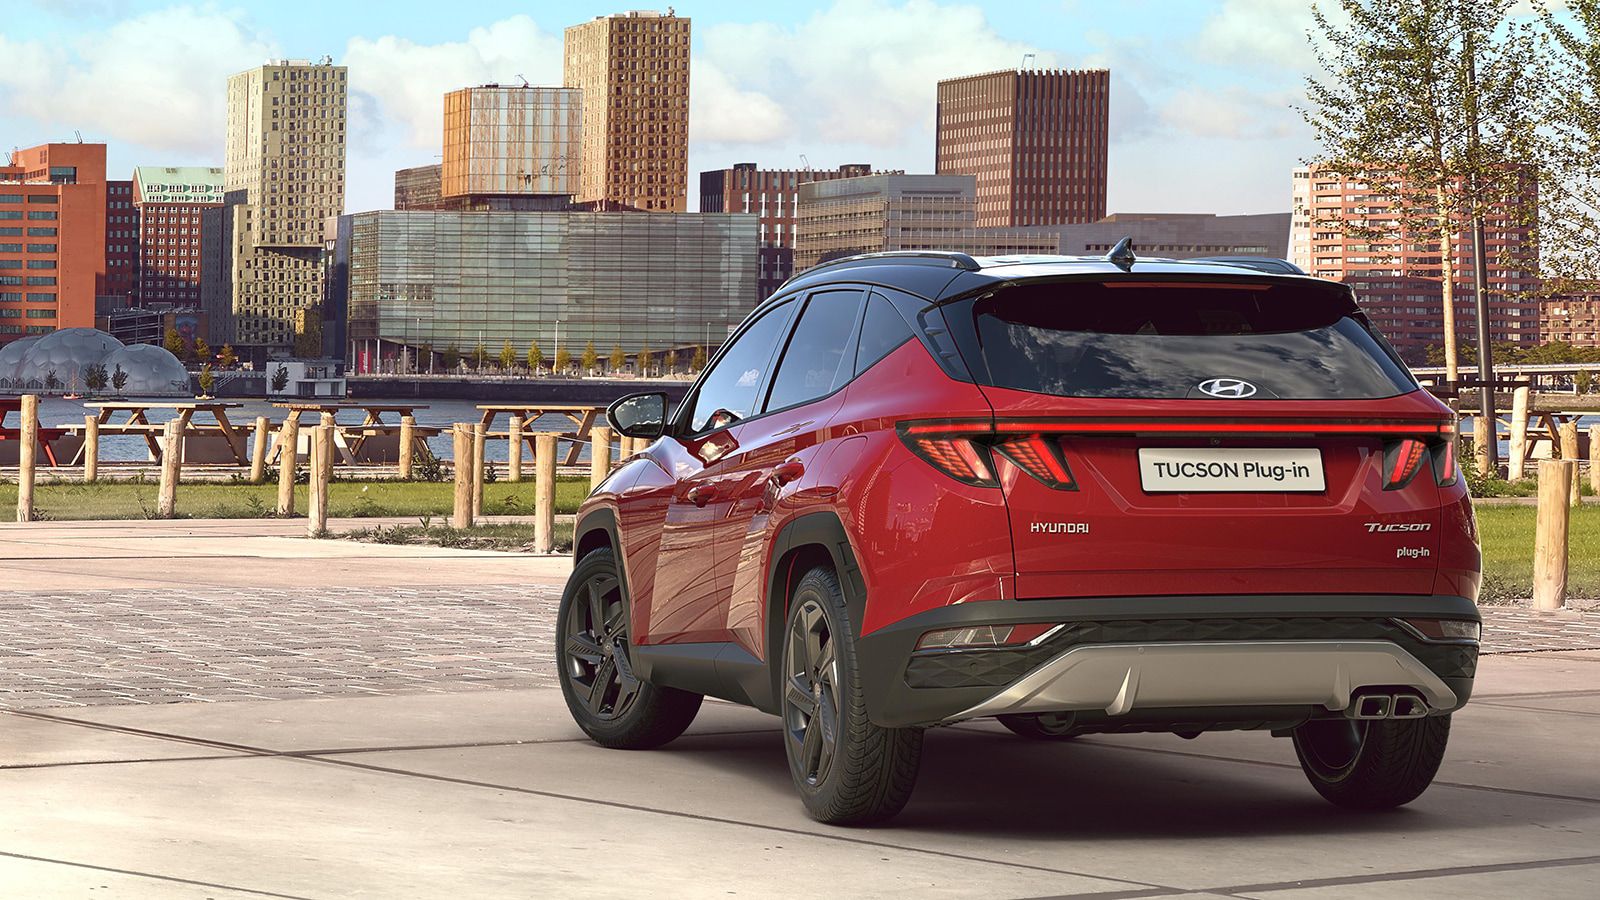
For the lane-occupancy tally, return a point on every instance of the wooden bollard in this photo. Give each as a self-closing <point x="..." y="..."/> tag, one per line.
<point x="91" y="449"/>
<point x="258" y="450"/>
<point x="27" y="457"/>
<point x="599" y="455"/>
<point x="1483" y="431"/>
<point x="321" y="470"/>
<point x="171" y="469"/>
<point x="480" y="441"/>
<point x="288" y="454"/>
<point x="461" y="517"/>
<point x="1550" y="533"/>
<point x="514" y="450"/>
<point x="544" y="492"/>
<point x="1594" y="460"/>
<point x="1517" y="450"/>
<point x="1569" y="451"/>
<point x="408" y="441"/>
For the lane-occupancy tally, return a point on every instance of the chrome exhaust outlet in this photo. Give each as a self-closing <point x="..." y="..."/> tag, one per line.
<point x="1371" y="706"/>
<point x="1408" y="706"/>
<point x="1400" y="705"/>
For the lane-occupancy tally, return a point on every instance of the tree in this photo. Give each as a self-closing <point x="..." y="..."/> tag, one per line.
<point x="202" y="350"/>
<point x="280" y="378"/>
<point x="207" y="380"/>
<point x="119" y="379"/>
<point x="508" y="356"/>
<point x="452" y="358"/>
<point x="480" y="353"/>
<point x="699" y="360"/>
<point x="228" y="359"/>
<point x="1584" y="384"/>
<point x="1401" y="80"/>
<point x="1569" y="191"/>
<point x="175" y="344"/>
<point x="644" y="359"/>
<point x="535" y="357"/>
<point x="618" y="358"/>
<point x="51" y="382"/>
<point x="563" y="360"/>
<point x="94" y="378"/>
<point x="425" y="357"/>
<point x="590" y="359"/>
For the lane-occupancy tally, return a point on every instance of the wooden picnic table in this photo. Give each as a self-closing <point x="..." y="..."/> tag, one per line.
<point x="582" y="416"/>
<point x="47" y="436"/>
<point x="372" y="424"/>
<point x="138" y="422"/>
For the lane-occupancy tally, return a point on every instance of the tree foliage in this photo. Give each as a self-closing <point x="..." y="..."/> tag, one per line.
<point x="228" y="358"/>
<point x="1569" y="189"/>
<point x="1401" y="83"/>
<point x="202" y="350"/>
<point x="619" y="359"/>
<point x="119" y="378"/>
<point x="508" y="356"/>
<point x="208" y="381"/>
<point x="698" y="361"/>
<point x="563" y="360"/>
<point x="590" y="358"/>
<point x="175" y="344"/>
<point x="94" y="378"/>
<point x="645" y="359"/>
<point x="535" y="357"/>
<point x="452" y="358"/>
<point x="280" y="378"/>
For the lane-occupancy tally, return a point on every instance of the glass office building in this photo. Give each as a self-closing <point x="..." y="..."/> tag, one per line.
<point x="414" y="280"/>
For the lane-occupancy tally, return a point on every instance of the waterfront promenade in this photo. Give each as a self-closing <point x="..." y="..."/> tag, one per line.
<point x="223" y="709"/>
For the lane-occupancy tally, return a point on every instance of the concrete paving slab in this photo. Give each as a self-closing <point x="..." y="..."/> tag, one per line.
<point x="68" y="878"/>
<point x="1550" y="878"/>
<point x="480" y="717"/>
<point x="1089" y="805"/>
<point x="27" y="742"/>
<point x="307" y="828"/>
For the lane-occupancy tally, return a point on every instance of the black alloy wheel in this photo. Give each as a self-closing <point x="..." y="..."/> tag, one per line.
<point x="811" y="693"/>
<point x="597" y="648"/>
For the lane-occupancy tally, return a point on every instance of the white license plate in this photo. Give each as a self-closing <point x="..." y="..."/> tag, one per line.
<point x="1208" y="469"/>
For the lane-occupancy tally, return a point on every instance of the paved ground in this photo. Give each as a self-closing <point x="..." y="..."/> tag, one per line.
<point x="466" y="777"/>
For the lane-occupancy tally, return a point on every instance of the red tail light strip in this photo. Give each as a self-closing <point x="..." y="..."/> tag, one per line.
<point x="1406" y="460"/>
<point x="1428" y="427"/>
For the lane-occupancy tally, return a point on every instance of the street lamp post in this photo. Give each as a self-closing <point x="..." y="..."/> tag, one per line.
<point x="1480" y="266"/>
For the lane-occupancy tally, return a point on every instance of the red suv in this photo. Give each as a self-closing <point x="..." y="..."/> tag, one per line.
<point x="1079" y="495"/>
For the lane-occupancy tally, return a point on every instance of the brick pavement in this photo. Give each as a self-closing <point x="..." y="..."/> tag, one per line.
<point x="91" y="648"/>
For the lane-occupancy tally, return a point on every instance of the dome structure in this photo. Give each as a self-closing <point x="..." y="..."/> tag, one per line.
<point x="64" y="354"/>
<point x="152" y="371"/>
<point x="11" y="355"/>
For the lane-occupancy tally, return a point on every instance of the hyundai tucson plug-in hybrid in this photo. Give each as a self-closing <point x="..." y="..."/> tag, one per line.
<point x="1077" y="495"/>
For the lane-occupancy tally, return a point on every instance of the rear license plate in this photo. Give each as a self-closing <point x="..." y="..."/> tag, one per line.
<point x="1210" y="469"/>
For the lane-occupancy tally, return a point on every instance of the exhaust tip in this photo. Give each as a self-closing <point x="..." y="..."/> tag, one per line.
<point x="1408" y="706"/>
<point x="1372" y="706"/>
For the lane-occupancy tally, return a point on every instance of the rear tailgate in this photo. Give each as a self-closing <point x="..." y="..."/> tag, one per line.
<point x="1124" y="477"/>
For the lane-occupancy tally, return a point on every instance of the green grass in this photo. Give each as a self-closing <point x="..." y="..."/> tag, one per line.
<point x="1507" y="535"/>
<point x="126" y="500"/>
<point x="513" y="537"/>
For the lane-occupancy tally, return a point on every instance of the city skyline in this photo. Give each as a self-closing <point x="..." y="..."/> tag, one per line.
<point x="835" y="82"/>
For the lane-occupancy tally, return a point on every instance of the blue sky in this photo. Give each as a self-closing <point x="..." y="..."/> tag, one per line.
<point x="1202" y="90"/>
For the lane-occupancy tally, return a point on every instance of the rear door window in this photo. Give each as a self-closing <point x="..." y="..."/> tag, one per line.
<point x="1157" y="340"/>
<point x="818" y="359"/>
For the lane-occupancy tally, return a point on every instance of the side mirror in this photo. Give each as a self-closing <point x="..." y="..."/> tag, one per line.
<point x="639" y="415"/>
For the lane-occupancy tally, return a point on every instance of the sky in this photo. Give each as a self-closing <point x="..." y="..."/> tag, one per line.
<point x="1203" y="115"/>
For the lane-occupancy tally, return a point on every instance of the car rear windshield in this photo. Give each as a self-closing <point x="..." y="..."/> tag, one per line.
<point x="1289" y="341"/>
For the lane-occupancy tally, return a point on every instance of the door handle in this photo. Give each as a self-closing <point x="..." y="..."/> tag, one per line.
<point x="788" y="471"/>
<point x="702" y="494"/>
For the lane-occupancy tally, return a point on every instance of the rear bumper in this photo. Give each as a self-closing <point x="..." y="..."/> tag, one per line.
<point x="1125" y="662"/>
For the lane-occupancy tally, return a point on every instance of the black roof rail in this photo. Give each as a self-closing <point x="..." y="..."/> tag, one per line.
<point x="950" y="258"/>
<point x="1269" y="264"/>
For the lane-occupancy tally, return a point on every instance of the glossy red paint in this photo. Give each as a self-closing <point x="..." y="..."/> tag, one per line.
<point x="1061" y="515"/>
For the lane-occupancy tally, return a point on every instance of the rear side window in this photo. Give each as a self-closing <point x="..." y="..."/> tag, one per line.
<point x="882" y="330"/>
<point x="815" y="362"/>
<point x="1163" y="340"/>
<point x="728" y="392"/>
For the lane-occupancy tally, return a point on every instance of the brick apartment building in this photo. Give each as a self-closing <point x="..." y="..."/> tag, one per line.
<point x="173" y="238"/>
<point x="1037" y="141"/>
<point x="1399" y="284"/>
<point x="774" y="196"/>
<point x="52" y="238"/>
<point x="1571" y="320"/>
<point x="122" y="251"/>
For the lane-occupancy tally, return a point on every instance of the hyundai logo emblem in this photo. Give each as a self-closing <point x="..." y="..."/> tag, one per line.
<point x="1228" y="388"/>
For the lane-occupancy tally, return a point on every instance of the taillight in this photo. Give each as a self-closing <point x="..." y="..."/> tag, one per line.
<point x="964" y="451"/>
<point x="1039" y="457"/>
<point x="1403" y="459"/>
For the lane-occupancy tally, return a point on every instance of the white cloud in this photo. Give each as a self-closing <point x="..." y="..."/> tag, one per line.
<point x="404" y="82"/>
<point x="721" y="113"/>
<point x="861" y="71"/>
<point x="1262" y="33"/>
<point x="1231" y="112"/>
<point x="157" y="79"/>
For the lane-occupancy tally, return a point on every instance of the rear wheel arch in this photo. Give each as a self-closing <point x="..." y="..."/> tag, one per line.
<point x="816" y="538"/>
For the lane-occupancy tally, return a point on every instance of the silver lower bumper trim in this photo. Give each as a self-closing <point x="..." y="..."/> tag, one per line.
<point x="1119" y="678"/>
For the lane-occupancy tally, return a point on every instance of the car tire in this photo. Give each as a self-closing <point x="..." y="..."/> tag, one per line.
<point x="607" y="700"/>
<point x="848" y="770"/>
<point x="1041" y="726"/>
<point x="1371" y="764"/>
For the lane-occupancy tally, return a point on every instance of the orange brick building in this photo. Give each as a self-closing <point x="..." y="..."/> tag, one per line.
<point x="52" y="238"/>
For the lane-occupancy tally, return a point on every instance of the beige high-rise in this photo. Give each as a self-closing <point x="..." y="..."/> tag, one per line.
<point x="284" y="176"/>
<point x="633" y="69"/>
<point x="511" y="140"/>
